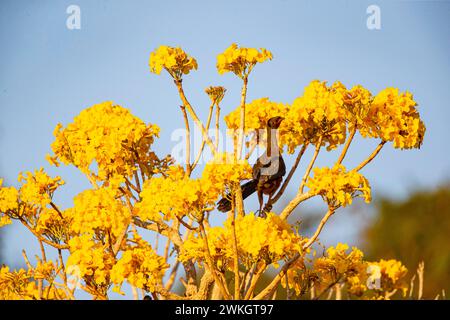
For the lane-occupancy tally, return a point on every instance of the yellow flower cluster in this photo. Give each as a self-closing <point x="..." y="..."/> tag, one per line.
<point x="178" y="195"/>
<point x="318" y="112"/>
<point x="361" y="278"/>
<point x="140" y="266"/>
<point x="44" y="270"/>
<point x="174" y="60"/>
<point x="338" y="265"/>
<point x="216" y="94"/>
<point x="38" y="188"/>
<point x="16" y="285"/>
<point x="257" y="113"/>
<point x="35" y="193"/>
<point x="256" y="235"/>
<point x="357" y="102"/>
<point x="8" y="203"/>
<point x="338" y="186"/>
<point x="21" y="284"/>
<point x="223" y="171"/>
<point x="172" y="196"/>
<point x="299" y="277"/>
<point x="332" y="111"/>
<point x="241" y="61"/>
<point x="52" y="225"/>
<point x="105" y="135"/>
<point x="394" y="117"/>
<point x="392" y="275"/>
<point x="90" y="260"/>
<point x="98" y="211"/>
<point x="268" y="238"/>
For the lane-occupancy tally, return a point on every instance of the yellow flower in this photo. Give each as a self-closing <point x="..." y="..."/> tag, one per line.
<point x="99" y="211"/>
<point x="15" y="285"/>
<point x="268" y="238"/>
<point x="338" y="186"/>
<point x="319" y="112"/>
<point x="174" y="60"/>
<point x="339" y="265"/>
<point x="22" y="284"/>
<point x="90" y="260"/>
<point x="178" y="195"/>
<point x="8" y="203"/>
<point x="216" y="94"/>
<point x="169" y="197"/>
<point x="241" y="61"/>
<point x="257" y="113"/>
<point x="222" y="172"/>
<point x="38" y="187"/>
<point x="394" y="117"/>
<point x="51" y="225"/>
<point x="392" y="275"/>
<point x="108" y="137"/>
<point x="141" y="266"/>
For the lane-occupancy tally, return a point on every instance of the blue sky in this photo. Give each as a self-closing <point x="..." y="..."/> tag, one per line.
<point x="50" y="73"/>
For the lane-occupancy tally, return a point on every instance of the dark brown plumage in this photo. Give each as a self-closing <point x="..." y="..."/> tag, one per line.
<point x="268" y="171"/>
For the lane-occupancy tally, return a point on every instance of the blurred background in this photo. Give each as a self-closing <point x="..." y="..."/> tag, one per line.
<point x="49" y="73"/>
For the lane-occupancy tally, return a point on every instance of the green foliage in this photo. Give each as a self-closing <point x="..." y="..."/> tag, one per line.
<point x="413" y="230"/>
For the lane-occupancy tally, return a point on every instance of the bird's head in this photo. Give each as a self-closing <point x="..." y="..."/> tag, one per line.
<point x="274" y="123"/>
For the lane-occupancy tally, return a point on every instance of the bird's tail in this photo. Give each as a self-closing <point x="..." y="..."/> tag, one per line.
<point x="247" y="188"/>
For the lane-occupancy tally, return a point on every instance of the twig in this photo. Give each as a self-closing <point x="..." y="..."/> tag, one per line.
<point x="388" y="295"/>
<point x="338" y="288"/>
<point x="187" y="226"/>
<point x="217" y="125"/>
<point x="324" y="220"/>
<point x="249" y="279"/>
<point x="372" y="155"/>
<point x="208" y="123"/>
<point x="129" y="184"/>
<point x="188" y="140"/>
<point x="311" y="164"/>
<point x="173" y="274"/>
<point x="420" y="271"/>
<point x="268" y="291"/>
<point x="166" y="251"/>
<point x="44" y="256"/>
<point x="411" y="286"/>
<point x="235" y="258"/>
<point x="25" y="257"/>
<point x="157" y="242"/>
<point x="242" y="118"/>
<point x="56" y="209"/>
<point x="347" y="145"/>
<point x="299" y="198"/>
<point x="254" y="280"/>
<point x="135" y="293"/>
<point x="210" y="263"/>
<point x="329" y="287"/>
<point x="194" y="116"/>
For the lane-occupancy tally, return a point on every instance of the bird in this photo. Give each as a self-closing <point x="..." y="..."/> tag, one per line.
<point x="267" y="172"/>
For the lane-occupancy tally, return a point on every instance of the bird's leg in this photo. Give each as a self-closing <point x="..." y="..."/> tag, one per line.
<point x="261" y="203"/>
<point x="268" y="206"/>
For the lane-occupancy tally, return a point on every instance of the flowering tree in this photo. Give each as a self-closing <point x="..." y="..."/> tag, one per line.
<point x="135" y="192"/>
